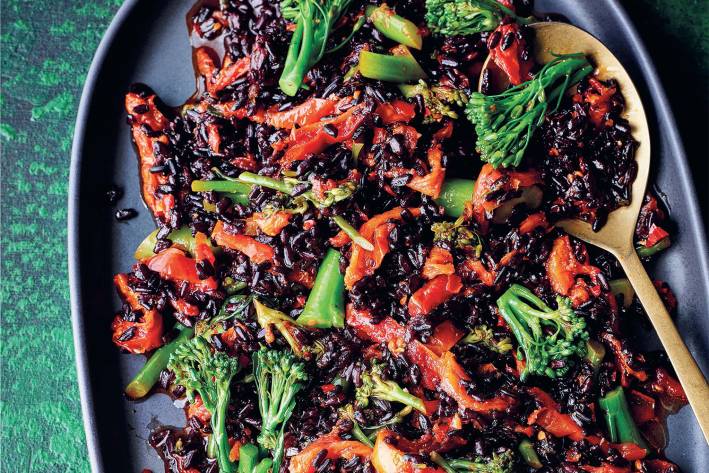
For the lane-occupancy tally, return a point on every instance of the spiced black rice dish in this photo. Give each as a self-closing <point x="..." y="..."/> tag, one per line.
<point x="355" y="266"/>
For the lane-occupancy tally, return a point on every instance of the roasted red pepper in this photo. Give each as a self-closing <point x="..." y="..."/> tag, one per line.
<point x="256" y="251"/>
<point x="230" y="71"/>
<point x="434" y="293"/>
<point x="563" y="270"/>
<point x="396" y="111"/>
<point x="146" y="124"/>
<point x="310" y="111"/>
<point x="335" y="448"/>
<point x="376" y="230"/>
<point x="174" y="265"/>
<point x="511" y="53"/>
<point x="500" y="181"/>
<point x="140" y="336"/>
<point x="315" y="138"/>
<point x="439" y="262"/>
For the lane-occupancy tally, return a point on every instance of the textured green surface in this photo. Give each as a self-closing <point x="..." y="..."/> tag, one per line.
<point x="46" y="51"/>
<point x="47" y="47"/>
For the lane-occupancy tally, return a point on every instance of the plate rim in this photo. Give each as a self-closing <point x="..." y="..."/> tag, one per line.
<point x="655" y="92"/>
<point x="81" y="353"/>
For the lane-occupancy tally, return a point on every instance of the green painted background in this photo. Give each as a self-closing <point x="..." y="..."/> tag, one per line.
<point x="47" y="47"/>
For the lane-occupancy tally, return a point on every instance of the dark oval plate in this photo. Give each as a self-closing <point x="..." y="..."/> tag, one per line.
<point x="147" y="42"/>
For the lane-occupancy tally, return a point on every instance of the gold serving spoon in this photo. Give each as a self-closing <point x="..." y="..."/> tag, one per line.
<point x="616" y="236"/>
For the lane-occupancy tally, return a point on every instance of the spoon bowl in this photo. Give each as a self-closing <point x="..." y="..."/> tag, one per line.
<point x="616" y="236"/>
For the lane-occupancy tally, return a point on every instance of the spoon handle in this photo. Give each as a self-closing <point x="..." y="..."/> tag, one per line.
<point x="689" y="375"/>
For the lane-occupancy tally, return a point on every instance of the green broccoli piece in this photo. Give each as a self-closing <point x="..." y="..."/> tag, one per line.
<point x="439" y="100"/>
<point x="548" y="338"/>
<point x="268" y="318"/>
<point x="374" y="385"/>
<point x="505" y="123"/>
<point x="314" y="21"/>
<point x="482" y="334"/>
<point x="466" y="17"/>
<point x="278" y="377"/>
<point x="457" y="235"/>
<point x="201" y="370"/>
<point x="499" y="463"/>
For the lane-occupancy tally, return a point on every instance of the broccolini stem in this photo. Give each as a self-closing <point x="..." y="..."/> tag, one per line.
<point x="265" y="181"/>
<point x="351" y="232"/>
<point x="248" y="456"/>
<point x="149" y="374"/>
<point x="646" y="252"/>
<point x="181" y="237"/>
<point x="393" y="26"/>
<point x="528" y="454"/>
<point x="218" y="441"/>
<point x="325" y="307"/>
<point x="234" y="187"/>
<point x="454" y="195"/>
<point x="389" y="68"/>
<point x="620" y="423"/>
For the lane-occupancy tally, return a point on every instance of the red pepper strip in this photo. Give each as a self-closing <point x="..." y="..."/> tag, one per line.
<point x="605" y="468"/>
<point x="438" y="371"/>
<point x="173" y="264"/>
<point x="431" y="183"/>
<point x="396" y="111"/>
<point x="556" y="423"/>
<point x="439" y="262"/>
<point x="229" y="110"/>
<point x="434" y="293"/>
<point x="213" y="137"/>
<point x="445" y="336"/>
<point x="197" y="409"/>
<point x="365" y="263"/>
<point x="671" y="393"/>
<point x="491" y="180"/>
<point x="230" y="71"/>
<point x="335" y="447"/>
<point x="485" y="276"/>
<point x="532" y="222"/>
<point x="306" y="113"/>
<point x="184" y="307"/>
<point x="156" y="121"/>
<point x="654" y="235"/>
<point x="391" y="455"/>
<point x="642" y="406"/>
<point x="272" y="224"/>
<point x="630" y="451"/>
<point x="661" y="466"/>
<point x="543" y="398"/>
<point x="147" y="333"/>
<point x="256" y="251"/>
<point x="203" y="250"/>
<point x="599" y="96"/>
<point x="313" y="139"/>
<point x="562" y="269"/>
<point x="624" y="359"/>
<point x="510" y="59"/>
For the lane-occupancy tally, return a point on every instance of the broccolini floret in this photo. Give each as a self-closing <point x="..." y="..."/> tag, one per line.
<point x="314" y="21"/>
<point x="374" y="385"/>
<point x="439" y="100"/>
<point x="505" y="123"/>
<point x="201" y="370"/>
<point x="269" y="318"/>
<point x="278" y="377"/>
<point x="466" y="17"/>
<point x="483" y="335"/>
<point x="547" y="337"/>
<point x="499" y="463"/>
